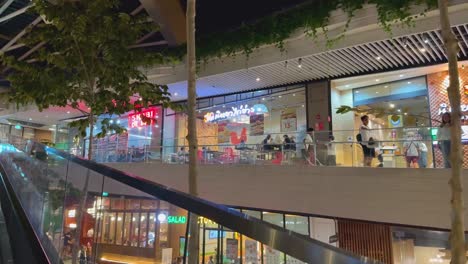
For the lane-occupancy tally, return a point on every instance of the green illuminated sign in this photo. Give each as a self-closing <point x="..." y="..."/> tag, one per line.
<point x="174" y="219"/>
<point x="105" y="194"/>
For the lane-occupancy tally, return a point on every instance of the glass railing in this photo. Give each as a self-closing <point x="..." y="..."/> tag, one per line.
<point x="85" y="212"/>
<point x="392" y="148"/>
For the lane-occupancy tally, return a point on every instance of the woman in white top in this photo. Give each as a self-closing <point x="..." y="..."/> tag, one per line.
<point x="443" y="135"/>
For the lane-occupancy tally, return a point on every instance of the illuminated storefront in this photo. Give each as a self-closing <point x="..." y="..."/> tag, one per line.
<point x="226" y="121"/>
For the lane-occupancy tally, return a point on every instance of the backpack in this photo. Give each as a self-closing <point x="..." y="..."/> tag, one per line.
<point x="359" y="138"/>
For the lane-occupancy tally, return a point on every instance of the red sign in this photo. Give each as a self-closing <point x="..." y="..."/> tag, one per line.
<point x="135" y="119"/>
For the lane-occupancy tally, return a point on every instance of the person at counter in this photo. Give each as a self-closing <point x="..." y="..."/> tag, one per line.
<point x="266" y="143"/>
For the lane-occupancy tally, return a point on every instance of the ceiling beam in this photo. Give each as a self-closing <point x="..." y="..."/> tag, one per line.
<point x="5" y="6"/>
<point x="170" y="16"/>
<point x="19" y="35"/>
<point x="14" y="14"/>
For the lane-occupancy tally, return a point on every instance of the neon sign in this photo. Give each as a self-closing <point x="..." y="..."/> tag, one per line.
<point x="234" y="112"/>
<point x="135" y="120"/>
<point x="172" y="219"/>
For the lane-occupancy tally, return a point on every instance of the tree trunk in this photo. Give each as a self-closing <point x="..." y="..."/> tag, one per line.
<point x="81" y="210"/>
<point x="193" y="240"/>
<point x="457" y="235"/>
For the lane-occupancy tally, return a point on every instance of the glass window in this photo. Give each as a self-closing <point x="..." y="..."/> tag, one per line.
<point x="106" y="227"/>
<point x="256" y="214"/>
<point x="151" y="229"/>
<point x="218" y="100"/>
<point x="143" y="230"/>
<point x="149" y="204"/>
<point x="119" y="231"/>
<point x="298" y="224"/>
<point x="112" y="226"/>
<point x="105" y="203"/>
<point x="230" y="98"/>
<point x="135" y="229"/>
<point x="127" y="229"/>
<point x="132" y="204"/>
<point x="271" y="255"/>
<point x="117" y="203"/>
<point x="274" y="218"/>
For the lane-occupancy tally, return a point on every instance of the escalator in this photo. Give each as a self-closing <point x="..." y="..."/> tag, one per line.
<point x="60" y="208"/>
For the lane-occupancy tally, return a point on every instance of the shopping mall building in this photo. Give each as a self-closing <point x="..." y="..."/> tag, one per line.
<point x="394" y="214"/>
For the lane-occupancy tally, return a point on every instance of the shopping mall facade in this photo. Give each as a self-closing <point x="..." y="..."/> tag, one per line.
<point x="394" y="214"/>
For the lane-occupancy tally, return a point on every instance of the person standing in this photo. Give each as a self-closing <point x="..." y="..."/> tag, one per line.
<point x="331" y="152"/>
<point x="411" y="154"/>
<point x="367" y="141"/>
<point x="307" y="152"/>
<point x="443" y="135"/>
<point x="422" y="155"/>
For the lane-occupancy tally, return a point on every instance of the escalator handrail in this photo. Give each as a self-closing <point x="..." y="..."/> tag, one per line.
<point x="24" y="241"/>
<point x="293" y="244"/>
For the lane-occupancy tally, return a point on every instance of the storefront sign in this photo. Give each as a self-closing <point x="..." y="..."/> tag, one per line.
<point x="135" y="120"/>
<point x="174" y="219"/>
<point x="234" y="112"/>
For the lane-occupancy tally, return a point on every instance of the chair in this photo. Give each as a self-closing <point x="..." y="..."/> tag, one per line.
<point x="228" y="156"/>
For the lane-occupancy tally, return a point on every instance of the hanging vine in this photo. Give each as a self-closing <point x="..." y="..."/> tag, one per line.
<point x="310" y="17"/>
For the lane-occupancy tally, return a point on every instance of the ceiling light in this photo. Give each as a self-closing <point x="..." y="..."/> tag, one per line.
<point x="422" y="50"/>
<point x="392" y="105"/>
<point x="294" y="94"/>
<point x="279" y="96"/>
<point x="377" y="80"/>
<point x="299" y="63"/>
<point x="426" y="41"/>
<point x="378" y="58"/>
<point x="30" y="119"/>
<point x="176" y="94"/>
<point x="409" y="82"/>
<point x="258" y="79"/>
<point x="401" y="75"/>
<point x="68" y="112"/>
<point x="399" y="110"/>
<point x="263" y="99"/>
<point x="463" y="66"/>
<point x="386" y="86"/>
<point x="356" y="91"/>
<point x="224" y="106"/>
<point x="376" y="92"/>
<point x="347" y="86"/>
<point x="302" y="105"/>
<point x="406" y="113"/>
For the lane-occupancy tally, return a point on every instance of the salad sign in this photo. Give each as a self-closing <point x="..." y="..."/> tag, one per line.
<point x="135" y="120"/>
<point x="234" y="112"/>
<point x="174" y="219"/>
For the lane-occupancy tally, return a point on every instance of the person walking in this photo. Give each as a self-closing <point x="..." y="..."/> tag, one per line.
<point x="443" y="135"/>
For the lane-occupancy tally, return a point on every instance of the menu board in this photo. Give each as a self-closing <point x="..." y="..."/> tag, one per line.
<point x="289" y="120"/>
<point x="257" y="125"/>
